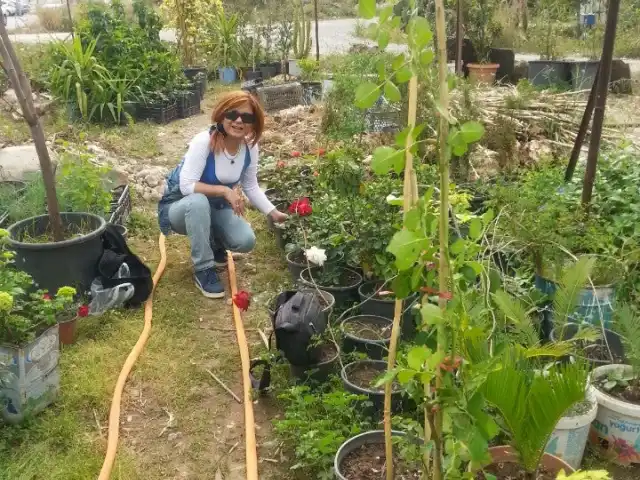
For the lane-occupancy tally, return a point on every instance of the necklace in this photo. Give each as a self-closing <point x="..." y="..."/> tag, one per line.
<point x="232" y="158"/>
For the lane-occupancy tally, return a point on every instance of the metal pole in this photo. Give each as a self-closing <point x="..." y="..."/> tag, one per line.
<point x="315" y="7"/>
<point x="601" y="99"/>
<point x="459" y="39"/>
<point x="582" y="130"/>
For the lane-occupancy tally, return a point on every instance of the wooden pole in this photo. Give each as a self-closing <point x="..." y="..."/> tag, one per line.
<point x="459" y="38"/>
<point x="410" y="197"/>
<point x="22" y="88"/>
<point x="249" y="419"/>
<point x="315" y="8"/>
<point x="70" y="18"/>
<point x="582" y="130"/>
<point x="601" y="100"/>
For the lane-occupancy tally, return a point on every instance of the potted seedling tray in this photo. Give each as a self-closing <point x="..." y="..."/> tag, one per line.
<point x="162" y="112"/>
<point x="367" y="334"/>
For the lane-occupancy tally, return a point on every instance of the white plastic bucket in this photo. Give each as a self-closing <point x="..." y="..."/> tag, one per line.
<point x="569" y="439"/>
<point x="616" y="429"/>
<point x="294" y="69"/>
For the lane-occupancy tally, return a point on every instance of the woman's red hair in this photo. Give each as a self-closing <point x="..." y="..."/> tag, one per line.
<point x="231" y="101"/>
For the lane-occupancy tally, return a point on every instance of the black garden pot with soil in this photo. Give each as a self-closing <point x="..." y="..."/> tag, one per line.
<point x="318" y="373"/>
<point x="363" y="457"/>
<point x="359" y="377"/>
<point x="367" y="334"/>
<point x="384" y="306"/>
<point x="597" y="353"/>
<point x="72" y="262"/>
<point x="344" y="289"/>
<point x="297" y="262"/>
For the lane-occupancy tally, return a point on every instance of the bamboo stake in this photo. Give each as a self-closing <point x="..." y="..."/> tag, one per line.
<point x="410" y="197"/>
<point x="249" y="420"/>
<point x="443" y="271"/>
<point x="223" y="385"/>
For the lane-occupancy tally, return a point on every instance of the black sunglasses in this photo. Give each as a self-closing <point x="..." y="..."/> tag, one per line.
<point x="233" y="115"/>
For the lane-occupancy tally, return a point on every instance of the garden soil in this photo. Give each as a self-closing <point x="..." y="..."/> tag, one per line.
<point x="512" y="471"/>
<point x="369" y="463"/>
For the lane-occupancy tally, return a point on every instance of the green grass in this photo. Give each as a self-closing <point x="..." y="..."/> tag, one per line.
<point x="64" y="442"/>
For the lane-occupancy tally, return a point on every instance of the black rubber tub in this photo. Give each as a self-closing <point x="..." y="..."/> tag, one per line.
<point x="597" y="353"/>
<point x="320" y="372"/>
<point x="52" y="265"/>
<point x="345" y="294"/>
<point x="385" y="307"/>
<point x="550" y="73"/>
<point x="296" y="263"/>
<point x="367" y="334"/>
<point x="354" y="443"/>
<point x="371" y="369"/>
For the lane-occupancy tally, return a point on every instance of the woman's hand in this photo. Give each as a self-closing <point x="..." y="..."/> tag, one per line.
<point x="277" y="216"/>
<point x="235" y="200"/>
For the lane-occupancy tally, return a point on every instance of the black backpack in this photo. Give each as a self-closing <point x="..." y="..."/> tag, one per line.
<point x="116" y="252"/>
<point x="297" y="318"/>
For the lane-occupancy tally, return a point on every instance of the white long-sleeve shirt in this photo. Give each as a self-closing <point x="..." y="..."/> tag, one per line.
<point x="195" y="161"/>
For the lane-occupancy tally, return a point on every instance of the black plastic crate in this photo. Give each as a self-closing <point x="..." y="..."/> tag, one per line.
<point x="188" y="104"/>
<point x="158" y="112"/>
<point x="279" y="97"/>
<point x="121" y="205"/>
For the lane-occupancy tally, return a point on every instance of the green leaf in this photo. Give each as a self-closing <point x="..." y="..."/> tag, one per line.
<point x="416" y="276"/>
<point x="426" y="58"/>
<point x="403" y="75"/>
<point x="391" y="92"/>
<point x="417" y="356"/>
<point x="511" y="307"/>
<point x="383" y="39"/>
<point x="387" y="158"/>
<point x="471" y="131"/>
<point x="367" y="8"/>
<point x="386" y="378"/>
<point x="398" y="61"/>
<point x="431" y="314"/>
<point x="405" y="376"/>
<point x="457" y="247"/>
<point x="385" y="13"/>
<point x="475" y="228"/>
<point x="407" y="246"/>
<point x="419" y="32"/>
<point x="367" y="94"/>
<point x="412" y="219"/>
<point x="381" y="67"/>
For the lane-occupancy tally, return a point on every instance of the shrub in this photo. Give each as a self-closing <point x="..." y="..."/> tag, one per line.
<point x="54" y="19"/>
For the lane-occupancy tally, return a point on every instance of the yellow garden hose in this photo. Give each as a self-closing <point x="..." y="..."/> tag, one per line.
<point x="114" y="414"/>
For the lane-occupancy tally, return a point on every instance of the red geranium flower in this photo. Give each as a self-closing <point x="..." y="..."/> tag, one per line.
<point x="321" y="151"/>
<point x="295" y="154"/>
<point x="316" y="173"/>
<point x="302" y="207"/>
<point x="242" y="300"/>
<point x="83" y="311"/>
<point x="280" y="164"/>
<point x="46" y="296"/>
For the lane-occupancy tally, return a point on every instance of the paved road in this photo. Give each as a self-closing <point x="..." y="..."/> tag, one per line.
<point x="336" y="36"/>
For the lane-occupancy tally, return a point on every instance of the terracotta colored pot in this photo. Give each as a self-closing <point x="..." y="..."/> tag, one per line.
<point x="483" y="72"/>
<point x="506" y="454"/>
<point x="68" y="331"/>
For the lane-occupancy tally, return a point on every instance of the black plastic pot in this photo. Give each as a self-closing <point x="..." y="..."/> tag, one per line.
<point x="375" y="349"/>
<point x="506" y="58"/>
<point x="366" y="438"/>
<point x="375" y="397"/>
<point x="550" y="73"/>
<point x="296" y="267"/>
<point x="268" y="70"/>
<point x="612" y="339"/>
<point x="158" y="112"/>
<point x="318" y="373"/>
<point x="385" y="307"/>
<point x="344" y="295"/>
<point x="191" y="72"/>
<point x="583" y="74"/>
<point x="52" y="265"/>
<point x="122" y="230"/>
<point x="188" y="104"/>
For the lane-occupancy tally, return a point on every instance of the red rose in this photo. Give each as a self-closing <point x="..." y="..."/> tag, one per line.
<point x="83" y="311"/>
<point x="295" y="154"/>
<point x="242" y="300"/>
<point x="302" y="207"/>
<point x="321" y="151"/>
<point x="280" y="164"/>
<point x="46" y="296"/>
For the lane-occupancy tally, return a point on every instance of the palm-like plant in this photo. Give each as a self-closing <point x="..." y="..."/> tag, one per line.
<point x="535" y="402"/>
<point x="225" y="47"/>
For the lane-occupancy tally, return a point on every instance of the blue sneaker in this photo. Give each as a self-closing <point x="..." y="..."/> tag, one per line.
<point x="209" y="283"/>
<point x="220" y="257"/>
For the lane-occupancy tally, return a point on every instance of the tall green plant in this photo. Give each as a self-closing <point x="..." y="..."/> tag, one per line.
<point x="534" y="403"/>
<point x="301" y="32"/>
<point x="224" y="47"/>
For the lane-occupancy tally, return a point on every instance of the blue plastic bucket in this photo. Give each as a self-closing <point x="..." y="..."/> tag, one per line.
<point x="595" y="305"/>
<point x="227" y="75"/>
<point x="589" y="19"/>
